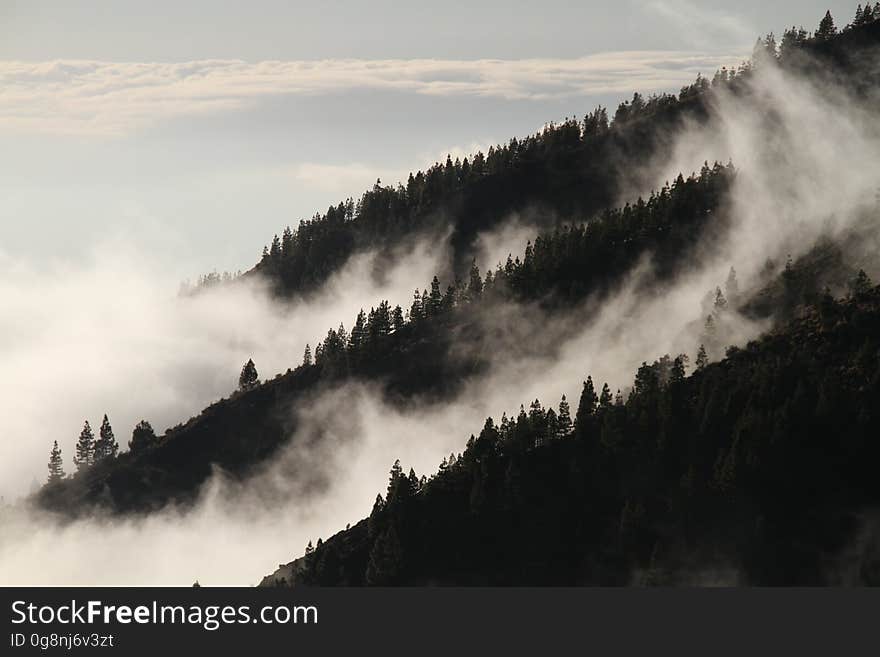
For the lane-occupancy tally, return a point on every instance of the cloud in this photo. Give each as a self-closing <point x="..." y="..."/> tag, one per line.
<point x="73" y="97"/>
<point x="84" y="340"/>
<point x="109" y="335"/>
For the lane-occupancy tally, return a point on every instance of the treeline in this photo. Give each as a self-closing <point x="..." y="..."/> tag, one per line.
<point x="758" y="465"/>
<point x="90" y="451"/>
<point x="568" y="170"/>
<point x="409" y="350"/>
<point x="559" y="268"/>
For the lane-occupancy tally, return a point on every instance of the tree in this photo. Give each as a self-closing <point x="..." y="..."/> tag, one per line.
<point x="106" y="445"/>
<point x="826" y="28"/>
<point x="84" y="455"/>
<point x="56" y="464"/>
<point x="563" y="419"/>
<point x="307" y="356"/>
<point x="397" y="319"/>
<point x="587" y="404"/>
<point x="731" y="287"/>
<point x="435" y="300"/>
<point x="417" y="310"/>
<point x="702" y="358"/>
<point x="142" y="437"/>
<point x="358" y="336"/>
<point x="860" y="284"/>
<point x="475" y="285"/>
<point x="860" y="15"/>
<point x="249" y="378"/>
<point x="605" y="396"/>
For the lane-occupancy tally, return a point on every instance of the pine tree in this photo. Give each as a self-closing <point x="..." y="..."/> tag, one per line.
<point x="475" y="285"/>
<point x="586" y="405"/>
<point x="397" y="319"/>
<point x="551" y="426"/>
<point x="142" y="437"/>
<point x="307" y="356"/>
<point x="249" y="378"/>
<point x="358" y="336"/>
<point x="605" y="396"/>
<point x="56" y="464"/>
<point x="860" y="284"/>
<point x="731" y="287"/>
<point x="826" y="28"/>
<point x="84" y="456"/>
<point x="416" y="311"/>
<point x="435" y="300"/>
<point x="563" y="419"/>
<point x="702" y="358"/>
<point x="106" y="445"/>
<point x="720" y="304"/>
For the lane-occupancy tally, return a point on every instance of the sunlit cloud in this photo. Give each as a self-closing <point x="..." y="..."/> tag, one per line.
<point x="107" y="98"/>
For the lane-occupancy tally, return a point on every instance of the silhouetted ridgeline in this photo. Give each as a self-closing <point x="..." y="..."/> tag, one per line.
<point x="752" y="470"/>
<point x="562" y="174"/>
<point x="425" y="352"/>
<point x="757" y="467"/>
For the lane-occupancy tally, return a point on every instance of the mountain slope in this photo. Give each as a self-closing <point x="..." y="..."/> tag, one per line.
<point x="759" y="469"/>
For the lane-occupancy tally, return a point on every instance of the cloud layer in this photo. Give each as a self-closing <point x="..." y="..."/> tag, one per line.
<point x="111" y="98"/>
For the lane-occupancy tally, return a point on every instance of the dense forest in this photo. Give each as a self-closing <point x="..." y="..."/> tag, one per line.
<point x="757" y="467"/>
<point x="567" y="171"/>
<point x="759" y="463"/>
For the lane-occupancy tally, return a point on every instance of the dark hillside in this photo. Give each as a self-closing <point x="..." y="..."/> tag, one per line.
<point x="760" y="467"/>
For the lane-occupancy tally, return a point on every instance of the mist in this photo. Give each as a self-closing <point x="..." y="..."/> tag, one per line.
<point x="84" y="340"/>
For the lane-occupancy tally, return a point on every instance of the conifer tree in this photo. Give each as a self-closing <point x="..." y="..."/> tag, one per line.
<point x="731" y="287"/>
<point x="826" y="28"/>
<point x="307" y="356"/>
<point x="249" y="378"/>
<point x="435" y="300"/>
<point x="56" y="464"/>
<point x="358" y="336"/>
<point x="475" y="284"/>
<point x="552" y="422"/>
<point x="106" y="445"/>
<point x="702" y="358"/>
<point x="142" y="437"/>
<point x="587" y="403"/>
<point x="397" y="319"/>
<point x="860" y="284"/>
<point x="416" y="311"/>
<point x="563" y="419"/>
<point x="84" y="456"/>
<point x="605" y="396"/>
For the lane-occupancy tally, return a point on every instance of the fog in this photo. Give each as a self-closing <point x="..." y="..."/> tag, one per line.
<point x="113" y="336"/>
<point x="109" y="336"/>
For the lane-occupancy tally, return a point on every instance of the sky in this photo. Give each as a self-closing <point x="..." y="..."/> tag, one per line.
<point x="142" y="144"/>
<point x="195" y="131"/>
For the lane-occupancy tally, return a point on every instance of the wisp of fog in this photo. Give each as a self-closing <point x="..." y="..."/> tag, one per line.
<point x="109" y="337"/>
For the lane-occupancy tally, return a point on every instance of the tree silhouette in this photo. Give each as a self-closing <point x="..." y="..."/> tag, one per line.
<point x="84" y="455"/>
<point x="56" y="464"/>
<point x="142" y="437"/>
<point x="249" y="378"/>
<point x="826" y="28"/>
<point x="106" y="445"/>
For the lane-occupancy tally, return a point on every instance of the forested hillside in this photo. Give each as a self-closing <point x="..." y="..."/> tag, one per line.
<point x="565" y="172"/>
<point x="421" y="352"/>
<point x="758" y="469"/>
<point x="757" y="466"/>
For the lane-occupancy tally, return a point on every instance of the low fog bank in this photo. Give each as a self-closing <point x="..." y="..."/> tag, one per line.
<point x="807" y="171"/>
<point x="112" y="336"/>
